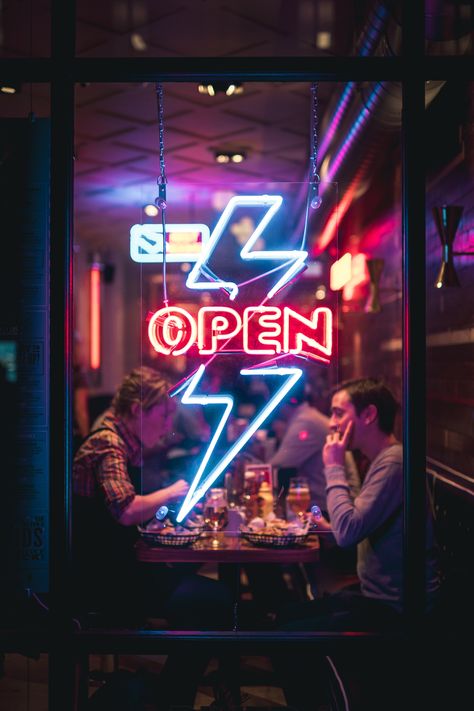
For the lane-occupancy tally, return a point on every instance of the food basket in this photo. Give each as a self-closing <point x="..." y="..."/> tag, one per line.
<point x="274" y="540"/>
<point x="173" y="540"/>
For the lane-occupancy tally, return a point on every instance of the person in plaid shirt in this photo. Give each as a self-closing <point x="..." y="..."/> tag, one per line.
<point x="107" y="507"/>
<point x="141" y="414"/>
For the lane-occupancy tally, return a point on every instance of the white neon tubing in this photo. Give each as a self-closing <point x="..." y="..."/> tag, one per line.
<point x="195" y="493"/>
<point x="190" y="399"/>
<point x="296" y="258"/>
<point x="146" y="242"/>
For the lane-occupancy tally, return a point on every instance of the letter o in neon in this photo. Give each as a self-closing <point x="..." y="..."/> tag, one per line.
<point x="172" y="330"/>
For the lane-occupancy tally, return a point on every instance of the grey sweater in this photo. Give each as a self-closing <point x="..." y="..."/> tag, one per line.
<point x="374" y="521"/>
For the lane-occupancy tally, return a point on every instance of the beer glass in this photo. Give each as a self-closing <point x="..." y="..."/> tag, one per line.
<point x="216" y="513"/>
<point x="298" y="498"/>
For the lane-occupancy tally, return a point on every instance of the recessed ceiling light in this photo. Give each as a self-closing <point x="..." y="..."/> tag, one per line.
<point x="137" y="42"/>
<point x="323" y="40"/>
<point x="215" y="87"/>
<point x="230" y="156"/>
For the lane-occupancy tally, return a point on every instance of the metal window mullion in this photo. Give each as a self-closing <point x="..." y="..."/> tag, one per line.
<point x="414" y="319"/>
<point x="61" y="663"/>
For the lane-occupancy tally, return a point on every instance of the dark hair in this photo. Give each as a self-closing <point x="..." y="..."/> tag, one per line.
<point x="144" y="386"/>
<point x="371" y="391"/>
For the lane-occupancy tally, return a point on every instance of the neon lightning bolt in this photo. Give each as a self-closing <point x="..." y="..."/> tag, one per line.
<point x="195" y="493"/>
<point x="190" y="399"/>
<point x="294" y="258"/>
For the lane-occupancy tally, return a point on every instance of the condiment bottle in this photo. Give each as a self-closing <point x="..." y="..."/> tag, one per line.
<point x="265" y="499"/>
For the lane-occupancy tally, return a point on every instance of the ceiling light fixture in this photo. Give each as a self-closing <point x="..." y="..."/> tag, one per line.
<point x="230" y="156"/>
<point x="227" y="88"/>
<point x="138" y="42"/>
<point x="447" y="220"/>
<point x="9" y="88"/>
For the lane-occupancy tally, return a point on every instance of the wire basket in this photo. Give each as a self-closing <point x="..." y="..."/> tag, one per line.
<point x="273" y="540"/>
<point x="172" y="540"/>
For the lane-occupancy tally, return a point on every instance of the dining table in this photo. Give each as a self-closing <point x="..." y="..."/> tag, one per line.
<point x="232" y="549"/>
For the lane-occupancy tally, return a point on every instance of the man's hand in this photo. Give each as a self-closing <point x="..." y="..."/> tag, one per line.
<point x="178" y="490"/>
<point x="336" y="446"/>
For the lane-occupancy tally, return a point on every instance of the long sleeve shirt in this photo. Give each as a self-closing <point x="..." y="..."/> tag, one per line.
<point x="100" y="468"/>
<point x="374" y="521"/>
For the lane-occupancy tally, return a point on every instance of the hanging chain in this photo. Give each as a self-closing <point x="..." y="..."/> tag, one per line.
<point x="314" y="133"/>
<point x="161" y="131"/>
<point x="160" y="201"/>
<point x="314" y="197"/>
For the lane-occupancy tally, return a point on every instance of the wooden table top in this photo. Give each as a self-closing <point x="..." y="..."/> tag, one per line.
<point x="236" y="550"/>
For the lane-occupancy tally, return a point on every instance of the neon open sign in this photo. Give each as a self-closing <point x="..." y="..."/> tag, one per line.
<point x="257" y="330"/>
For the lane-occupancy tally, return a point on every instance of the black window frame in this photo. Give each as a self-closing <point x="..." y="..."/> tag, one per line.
<point x="63" y="70"/>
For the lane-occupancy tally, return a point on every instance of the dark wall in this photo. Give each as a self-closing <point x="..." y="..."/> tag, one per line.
<point x="370" y="344"/>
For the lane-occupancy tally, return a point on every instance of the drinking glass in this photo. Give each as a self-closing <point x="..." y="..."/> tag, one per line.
<point x="298" y="498"/>
<point x="216" y="514"/>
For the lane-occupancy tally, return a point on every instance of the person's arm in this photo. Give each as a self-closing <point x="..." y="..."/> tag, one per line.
<point x="123" y="503"/>
<point x="380" y="496"/>
<point x="142" y="508"/>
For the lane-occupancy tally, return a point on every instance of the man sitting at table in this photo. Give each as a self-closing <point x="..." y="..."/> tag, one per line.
<point x="362" y="417"/>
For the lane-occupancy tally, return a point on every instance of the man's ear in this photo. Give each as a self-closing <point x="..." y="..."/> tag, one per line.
<point x="370" y="414"/>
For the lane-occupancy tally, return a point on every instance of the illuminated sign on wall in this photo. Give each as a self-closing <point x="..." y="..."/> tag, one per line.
<point x="184" y="242"/>
<point x="258" y="330"/>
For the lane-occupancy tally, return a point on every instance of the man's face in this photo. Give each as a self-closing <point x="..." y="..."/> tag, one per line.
<point x="155" y="423"/>
<point x="343" y="412"/>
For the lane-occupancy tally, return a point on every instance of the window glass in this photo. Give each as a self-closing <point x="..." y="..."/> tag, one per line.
<point x="449" y="285"/>
<point x="25" y="29"/>
<point x="24" y="352"/>
<point x="448" y="28"/>
<point x="131" y="28"/>
<point x="251" y="358"/>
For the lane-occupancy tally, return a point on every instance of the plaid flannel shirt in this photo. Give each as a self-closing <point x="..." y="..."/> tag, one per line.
<point x="100" y="466"/>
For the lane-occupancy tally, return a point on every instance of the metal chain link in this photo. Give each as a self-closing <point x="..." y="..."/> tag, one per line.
<point x="160" y="201"/>
<point x="161" y="129"/>
<point x="314" y="133"/>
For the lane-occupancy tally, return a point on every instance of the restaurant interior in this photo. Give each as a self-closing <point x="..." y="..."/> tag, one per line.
<point x="292" y="263"/>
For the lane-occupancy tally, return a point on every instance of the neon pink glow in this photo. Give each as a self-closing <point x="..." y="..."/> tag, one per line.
<point x="260" y="330"/>
<point x="216" y="325"/>
<point x="170" y="327"/>
<point x="94" y="322"/>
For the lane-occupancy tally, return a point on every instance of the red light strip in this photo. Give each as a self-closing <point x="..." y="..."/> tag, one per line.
<point x="94" y="323"/>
